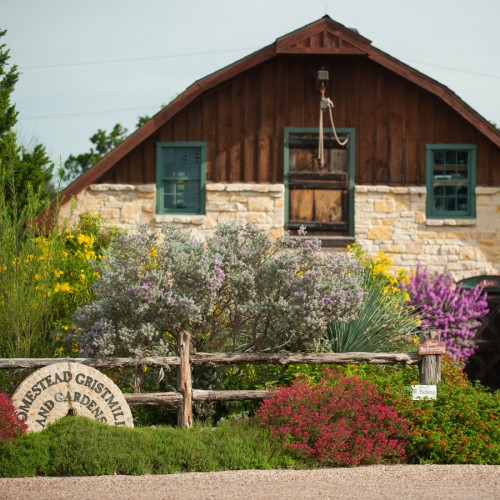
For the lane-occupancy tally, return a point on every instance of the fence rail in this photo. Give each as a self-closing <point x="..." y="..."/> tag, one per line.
<point x="182" y="399"/>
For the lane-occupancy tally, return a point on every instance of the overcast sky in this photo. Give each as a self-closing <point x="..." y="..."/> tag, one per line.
<point x="89" y="64"/>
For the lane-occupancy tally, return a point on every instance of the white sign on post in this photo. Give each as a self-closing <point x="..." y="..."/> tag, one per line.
<point x="424" y="391"/>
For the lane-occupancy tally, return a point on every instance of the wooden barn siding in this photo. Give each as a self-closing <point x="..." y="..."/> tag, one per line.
<point x="243" y="121"/>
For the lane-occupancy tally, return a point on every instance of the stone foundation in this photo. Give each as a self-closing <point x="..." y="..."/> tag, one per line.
<point x="387" y="219"/>
<point x="125" y="206"/>
<point x="392" y="220"/>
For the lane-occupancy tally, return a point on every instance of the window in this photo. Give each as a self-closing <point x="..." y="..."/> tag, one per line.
<point x="451" y="180"/>
<point x="180" y="177"/>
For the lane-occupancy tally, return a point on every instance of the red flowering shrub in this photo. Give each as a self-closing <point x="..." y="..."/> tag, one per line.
<point x="338" y="421"/>
<point x="10" y="426"/>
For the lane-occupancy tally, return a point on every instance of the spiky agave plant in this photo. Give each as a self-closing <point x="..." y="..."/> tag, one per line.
<point x="386" y="323"/>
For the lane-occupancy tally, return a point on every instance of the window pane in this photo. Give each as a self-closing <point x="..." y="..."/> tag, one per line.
<point x="439" y="203"/>
<point x="462" y="157"/>
<point x="438" y="157"/>
<point x="182" y="163"/>
<point x="451" y="157"/>
<point x="182" y="195"/>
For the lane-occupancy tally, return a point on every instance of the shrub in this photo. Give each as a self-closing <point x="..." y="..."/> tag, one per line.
<point x="338" y="421"/>
<point x="10" y="427"/>
<point x="461" y="426"/>
<point x="78" y="446"/>
<point x="451" y="310"/>
<point x="44" y="275"/>
<point x="238" y="291"/>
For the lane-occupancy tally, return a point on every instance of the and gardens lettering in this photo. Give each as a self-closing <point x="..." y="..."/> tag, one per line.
<point x="53" y="392"/>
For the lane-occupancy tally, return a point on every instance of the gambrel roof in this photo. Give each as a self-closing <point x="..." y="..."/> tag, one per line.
<point x="324" y="36"/>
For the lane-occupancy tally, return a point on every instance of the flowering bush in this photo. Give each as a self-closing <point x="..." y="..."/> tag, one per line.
<point x="339" y="421"/>
<point x="451" y="310"/>
<point x="461" y="426"/>
<point x="43" y="276"/>
<point x="236" y="291"/>
<point x="10" y="427"/>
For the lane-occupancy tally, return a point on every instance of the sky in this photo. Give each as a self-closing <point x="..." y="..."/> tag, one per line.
<point x="87" y="65"/>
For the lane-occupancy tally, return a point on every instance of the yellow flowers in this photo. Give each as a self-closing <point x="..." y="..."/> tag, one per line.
<point x="381" y="265"/>
<point x="62" y="287"/>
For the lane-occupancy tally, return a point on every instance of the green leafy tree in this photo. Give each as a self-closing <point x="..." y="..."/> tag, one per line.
<point x="22" y="167"/>
<point x="102" y="143"/>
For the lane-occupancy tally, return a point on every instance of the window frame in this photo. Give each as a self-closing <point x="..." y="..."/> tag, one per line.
<point x="431" y="212"/>
<point x="351" y="132"/>
<point x="160" y="178"/>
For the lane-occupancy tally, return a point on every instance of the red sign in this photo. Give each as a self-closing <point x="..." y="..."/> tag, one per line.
<point x="432" y="347"/>
<point x="489" y="283"/>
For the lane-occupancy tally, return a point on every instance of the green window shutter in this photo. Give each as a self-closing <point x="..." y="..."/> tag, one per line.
<point x="180" y="177"/>
<point x="451" y="181"/>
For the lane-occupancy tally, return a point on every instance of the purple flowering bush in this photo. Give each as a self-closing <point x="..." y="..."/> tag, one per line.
<point x="454" y="312"/>
<point x="236" y="291"/>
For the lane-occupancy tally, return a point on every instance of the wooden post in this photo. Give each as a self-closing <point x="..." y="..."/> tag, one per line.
<point x="184" y="384"/>
<point x="430" y="368"/>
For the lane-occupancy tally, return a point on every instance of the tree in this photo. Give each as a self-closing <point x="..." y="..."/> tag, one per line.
<point x="102" y="143"/>
<point x="21" y="167"/>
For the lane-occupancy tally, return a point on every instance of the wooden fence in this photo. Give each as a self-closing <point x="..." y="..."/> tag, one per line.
<point x="182" y="399"/>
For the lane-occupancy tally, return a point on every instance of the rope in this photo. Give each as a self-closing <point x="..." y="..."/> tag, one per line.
<point x="326" y="104"/>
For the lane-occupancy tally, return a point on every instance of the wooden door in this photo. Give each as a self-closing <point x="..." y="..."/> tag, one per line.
<point x="319" y="194"/>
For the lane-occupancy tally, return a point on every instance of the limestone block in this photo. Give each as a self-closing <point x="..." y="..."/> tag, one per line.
<point x="420" y="217"/>
<point x="146" y="218"/>
<point x="432" y="249"/>
<point x="279" y="204"/>
<point x="146" y="188"/>
<point x="147" y="195"/>
<point x="420" y="190"/>
<point x="110" y="213"/>
<point x="459" y="235"/>
<point x="451" y="249"/>
<point x="148" y="208"/>
<point x="260" y="204"/>
<point x="218" y="206"/>
<point x="130" y="211"/>
<point x="487" y="243"/>
<point x="256" y="217"/>
<point x="99" y="187"/>
<point x="384" y="206"/>
<point x="121" y="187"/>
<point x="393" y="249"/>
<point x="485" y="190"/>
<point x="215" y="186"/>
<point x="219" y="197"/>
<point x="380" y="233"/>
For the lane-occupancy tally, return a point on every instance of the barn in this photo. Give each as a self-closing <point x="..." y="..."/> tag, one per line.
<point x="321" y="129"/>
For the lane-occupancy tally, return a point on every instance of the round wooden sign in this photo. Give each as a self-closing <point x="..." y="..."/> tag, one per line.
<point x="54" y="391"/>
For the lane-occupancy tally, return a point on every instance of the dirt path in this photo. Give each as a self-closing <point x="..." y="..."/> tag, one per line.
<point x="374" y="482"/>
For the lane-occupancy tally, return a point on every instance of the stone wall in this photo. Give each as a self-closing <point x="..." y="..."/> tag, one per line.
<point x="124" y="206"/>
<point x="392" y="220"/>
<point x="387" y="219"/>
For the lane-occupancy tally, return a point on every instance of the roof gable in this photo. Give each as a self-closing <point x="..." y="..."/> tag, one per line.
<point x="324" y="36"/>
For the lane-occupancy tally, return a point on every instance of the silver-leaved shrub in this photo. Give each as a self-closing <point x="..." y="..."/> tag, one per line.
<point x="236" y="291"/>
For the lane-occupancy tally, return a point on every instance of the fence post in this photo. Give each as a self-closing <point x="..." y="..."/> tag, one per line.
<point x="430" y="367"/>
<point x="184" y="384"/>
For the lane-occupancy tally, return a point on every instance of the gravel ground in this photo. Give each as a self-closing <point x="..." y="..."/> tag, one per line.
<point x="478" y="482"/>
